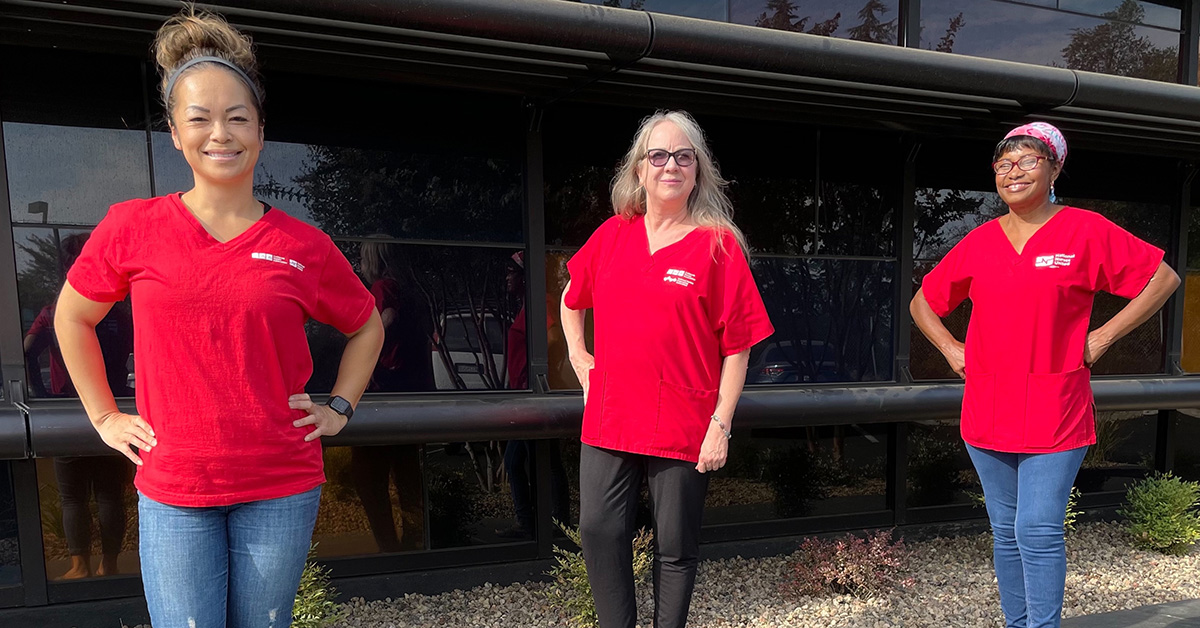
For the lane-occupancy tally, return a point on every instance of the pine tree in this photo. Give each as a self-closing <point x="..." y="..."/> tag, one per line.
<point x="872" y="27"/>
<point x="780" y="15"/>
<point x="1114" y="47"/>
<point x="946" y="44"/>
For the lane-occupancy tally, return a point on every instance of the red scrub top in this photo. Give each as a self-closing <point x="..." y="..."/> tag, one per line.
<point x="663" y="324"/>
<point x="1027" y="390"/>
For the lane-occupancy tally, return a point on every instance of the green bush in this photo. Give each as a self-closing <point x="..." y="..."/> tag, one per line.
<point x="1162" y="514"/>
<point x="571" y="589"/>
<point x="315" y="606"/>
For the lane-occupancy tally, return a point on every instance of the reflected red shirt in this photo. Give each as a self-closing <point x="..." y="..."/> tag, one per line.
<point x="219" y="344"/>
<point x="1027" y="390"/>
<point x="663" y="324"/>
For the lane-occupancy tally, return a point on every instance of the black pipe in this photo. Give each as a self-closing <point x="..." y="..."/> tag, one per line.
<point x="626" y="36"/>
<point x="62" y="429"/>
<point x="14" y="440"/>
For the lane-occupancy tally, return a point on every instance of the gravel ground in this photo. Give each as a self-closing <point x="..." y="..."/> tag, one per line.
<point x="954" y="587"/>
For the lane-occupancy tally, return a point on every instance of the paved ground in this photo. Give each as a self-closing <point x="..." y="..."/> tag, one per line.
<point x="1175" y="615"/>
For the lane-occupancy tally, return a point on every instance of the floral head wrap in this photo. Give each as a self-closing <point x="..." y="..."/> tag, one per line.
<point x="1048" y="134"/>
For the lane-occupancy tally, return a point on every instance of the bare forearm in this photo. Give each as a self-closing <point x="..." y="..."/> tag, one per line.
<point x="930" y="323"/>
<point x="733" y="380"/>
<point x="572" y="324"/>
<point x="358" y="360"/>
<point x="85" y="363"/>
<point x="1160" y="288"/>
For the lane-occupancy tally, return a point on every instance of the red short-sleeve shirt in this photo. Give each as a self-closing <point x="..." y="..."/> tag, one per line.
<point x="1027" y="389"/>
<point x="219" y="344"/>
<point x="664" y="323"/>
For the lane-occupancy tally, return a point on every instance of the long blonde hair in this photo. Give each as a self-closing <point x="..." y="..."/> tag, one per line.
<point x="707" y="204"/>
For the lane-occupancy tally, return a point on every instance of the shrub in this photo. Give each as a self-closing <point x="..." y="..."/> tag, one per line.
<point x="315" y="606"/>
<point x="863" y="567"/>
<point x="571" y="589"/>
<point x="1162" y="514"/>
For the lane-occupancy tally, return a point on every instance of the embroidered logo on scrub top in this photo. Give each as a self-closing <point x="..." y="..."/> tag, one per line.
<point x="1058" y="260"/>
<point x="278" y="260"/>
<point x="681" y="277"/>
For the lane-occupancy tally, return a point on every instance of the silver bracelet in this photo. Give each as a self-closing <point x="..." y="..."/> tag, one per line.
<point x="727" y="433"/>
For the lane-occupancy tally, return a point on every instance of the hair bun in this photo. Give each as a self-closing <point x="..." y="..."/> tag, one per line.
<point x="195" y="33"/>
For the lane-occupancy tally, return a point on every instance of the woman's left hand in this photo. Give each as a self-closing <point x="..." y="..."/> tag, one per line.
<point x="1094" y="348"/>
<point x="327" y="421"/>
<point x="714" y="450"/>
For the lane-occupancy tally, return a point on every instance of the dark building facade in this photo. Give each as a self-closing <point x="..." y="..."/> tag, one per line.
<point x="446" y="136"/>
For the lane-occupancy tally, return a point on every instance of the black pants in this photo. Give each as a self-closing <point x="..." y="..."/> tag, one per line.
<point x="78" y="480"/>
<point x="609" y="482"/>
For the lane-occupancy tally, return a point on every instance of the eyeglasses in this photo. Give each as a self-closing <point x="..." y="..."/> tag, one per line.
<point x="659" y="157"/>
<point x="1026" y="163"/>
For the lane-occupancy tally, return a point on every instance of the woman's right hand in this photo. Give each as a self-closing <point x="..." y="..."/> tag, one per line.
<point x="583" y="362"/>
<point x="119" y="430"/>
<point x="956" y="356"/>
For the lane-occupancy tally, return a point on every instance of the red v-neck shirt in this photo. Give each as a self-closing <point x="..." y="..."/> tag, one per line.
<point x="663" y="324"/>
<point x="1027" y="389"/>
<point x="219" y="344"/>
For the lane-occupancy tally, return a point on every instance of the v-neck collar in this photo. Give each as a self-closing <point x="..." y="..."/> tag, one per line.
<point x="1046" y="225"/>
<point x="663" y="252"/>
<point x="207" y="238"/>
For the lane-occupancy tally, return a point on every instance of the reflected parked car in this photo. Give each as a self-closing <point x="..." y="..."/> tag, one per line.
<point x="783" y="362"/>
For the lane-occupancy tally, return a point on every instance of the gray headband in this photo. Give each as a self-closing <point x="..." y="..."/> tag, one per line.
<point x="208" y="59"/>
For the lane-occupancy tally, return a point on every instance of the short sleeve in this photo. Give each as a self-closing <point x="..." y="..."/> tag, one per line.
<point x="949" y="283"/>
<point x="342" y="299"/>
<point x="583" y="267"/>
<point x="1122" y="263"/>
<point x="101" y="273"/>
<point x="742" y="320"/>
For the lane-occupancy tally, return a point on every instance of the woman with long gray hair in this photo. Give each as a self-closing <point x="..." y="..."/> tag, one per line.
<point x="676" y="311"/>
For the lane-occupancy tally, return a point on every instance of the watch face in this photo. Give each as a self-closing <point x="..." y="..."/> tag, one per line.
<point x="339" y="405"/>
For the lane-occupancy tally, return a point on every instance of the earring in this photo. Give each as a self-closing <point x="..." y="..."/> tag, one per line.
<point x="1053" y="198"/>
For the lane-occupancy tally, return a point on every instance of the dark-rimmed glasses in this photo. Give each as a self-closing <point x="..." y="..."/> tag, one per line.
<point x="1026" y="163"/>
<point x="659" y="157"/>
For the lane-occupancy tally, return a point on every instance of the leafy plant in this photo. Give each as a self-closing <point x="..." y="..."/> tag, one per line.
<point x="863" y="567"/>
<point x="572" y="590"/>
<point x="1162" y="514"/>
<point x="315" y="606"/>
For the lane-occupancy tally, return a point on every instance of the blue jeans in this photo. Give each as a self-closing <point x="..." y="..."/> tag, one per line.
<point x="225" y="566"/>
<point x="1026" y="501"/>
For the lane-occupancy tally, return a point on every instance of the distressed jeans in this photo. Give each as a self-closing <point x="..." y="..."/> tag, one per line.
<point x="225" y="566"/>
<point x="1026" y="498"/>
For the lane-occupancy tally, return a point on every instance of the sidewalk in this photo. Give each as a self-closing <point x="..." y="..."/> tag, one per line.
<point x="1174" y="615"/>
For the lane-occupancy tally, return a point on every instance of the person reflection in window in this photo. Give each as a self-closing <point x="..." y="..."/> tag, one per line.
<point x="80" y="477"/>
<point x="518" y="454"/>
<point x="404" y="366"/>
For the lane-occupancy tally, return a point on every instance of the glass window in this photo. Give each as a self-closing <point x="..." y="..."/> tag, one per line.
<point x="1187" y="434"/>
<point x="71" y="175"/>
<point x="1123" y="453"/>
<point x="469" y="501"/>
<point x="449" y="314"/>
<point x="1191" y="297"/>
<point x="43" y="256"/>
<point x="1127" y="38"/>
<point x="863" y="20"/>
<point x="800" y="472"/>
<point x="940" y="472"/>
<point x="89" y="516"/>
<point x="373" y="501"/>
<point x="10" y="554"/>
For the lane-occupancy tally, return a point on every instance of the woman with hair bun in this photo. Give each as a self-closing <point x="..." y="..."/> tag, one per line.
<point x="226" y="443"/>
<point x="676" y="311"/>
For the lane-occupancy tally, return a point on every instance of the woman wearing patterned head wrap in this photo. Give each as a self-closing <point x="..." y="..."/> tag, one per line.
<point x="1027" y="415"/>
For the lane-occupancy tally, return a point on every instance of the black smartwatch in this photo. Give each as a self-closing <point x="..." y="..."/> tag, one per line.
<point x="341" y="406"/>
